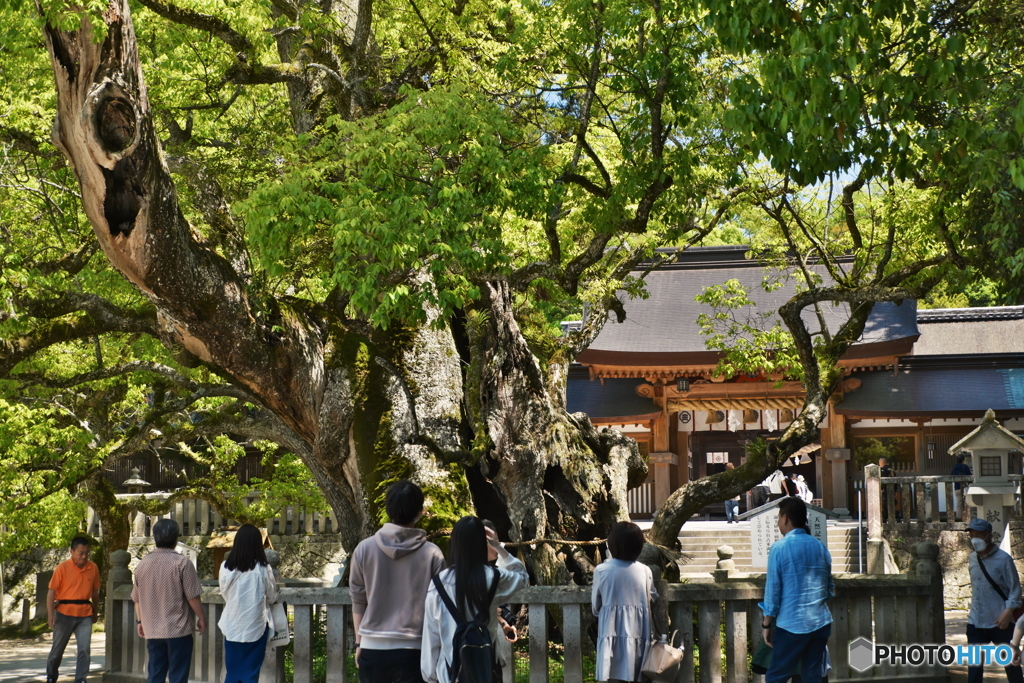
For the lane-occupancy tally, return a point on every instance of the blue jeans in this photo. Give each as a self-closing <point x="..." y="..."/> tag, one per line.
<point x="63" y="627"/>
<point x="169" y="658"/>
<point x="983" y="636"/>
<point x="789" y="649"/>
<point x="732" y="508"/>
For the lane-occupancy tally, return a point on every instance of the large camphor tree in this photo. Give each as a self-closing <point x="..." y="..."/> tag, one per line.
<point x="407" y="201"/>
<point x="368" y="218"/>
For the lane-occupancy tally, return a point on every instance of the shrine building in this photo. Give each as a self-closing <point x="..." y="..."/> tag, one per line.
<point x="916" y="382"/>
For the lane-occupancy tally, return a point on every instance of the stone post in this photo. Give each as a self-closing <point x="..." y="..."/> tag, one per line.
<point x="928" y="567"/>
<point x="114" y="629"/>
<point x="876" y="544"/>
<point x="139" y="523"/>
<point x="273" y="661"/>
<point x="42" y="589"/>
<point x="26" y="616"/>
<point x="726" y="566"/>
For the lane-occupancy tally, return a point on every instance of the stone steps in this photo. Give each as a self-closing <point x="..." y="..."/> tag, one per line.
<point x="702" y="548"/>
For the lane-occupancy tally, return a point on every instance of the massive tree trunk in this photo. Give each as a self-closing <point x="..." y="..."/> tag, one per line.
<point x="553" y="473"/>
<point x="113" y="516"/>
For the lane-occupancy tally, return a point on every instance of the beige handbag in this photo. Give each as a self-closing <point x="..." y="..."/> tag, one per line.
<point x="662" y="661"/>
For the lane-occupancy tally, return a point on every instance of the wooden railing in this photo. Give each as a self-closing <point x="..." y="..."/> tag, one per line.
<point x="913" y="499"/>
<point x="199" y="518"/>
<point x="718" y="622"/>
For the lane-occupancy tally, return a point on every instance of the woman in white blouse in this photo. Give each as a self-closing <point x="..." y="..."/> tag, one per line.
<point x="467" y="581"/>
<point x="248" y="586"/>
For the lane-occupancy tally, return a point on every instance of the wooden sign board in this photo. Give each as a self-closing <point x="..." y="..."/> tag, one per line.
<point x="764" y="529"/>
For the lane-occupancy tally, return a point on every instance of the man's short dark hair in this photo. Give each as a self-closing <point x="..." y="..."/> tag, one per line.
<point x="403" y="502"/>
<point x="80" y="540"/>
<point x="625" y="541"/>
<point x="960" y="458"/>
<point x="795" y="510"/>
<point x="165" y="533"/>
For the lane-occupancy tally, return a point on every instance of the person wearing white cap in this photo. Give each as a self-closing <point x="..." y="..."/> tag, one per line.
<point x="995" y="594"/>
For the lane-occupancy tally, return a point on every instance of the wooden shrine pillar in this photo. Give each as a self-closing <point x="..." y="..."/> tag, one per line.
<point x="835" y="458"/>
<point x="661" y="464"/>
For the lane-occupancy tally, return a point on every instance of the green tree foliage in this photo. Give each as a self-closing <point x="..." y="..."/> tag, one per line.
<point x="370" y="168"/>
<point x="75" y="398"/>
<point x="882" y="146"/>
<point x="347" y="173"/>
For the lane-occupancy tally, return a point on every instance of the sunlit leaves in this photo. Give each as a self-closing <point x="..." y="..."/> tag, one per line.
<point x="402" y="211"/>
<point x="833" y="86"/>
<point x="286" y="480"/>
<point x="43" y="457"/>
<point x="751" y="340"/>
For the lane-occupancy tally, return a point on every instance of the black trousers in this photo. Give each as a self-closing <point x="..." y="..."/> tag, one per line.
<point x="760" y="496"/>
<point x="389" y="666"/>
<point x="983" y="636"/>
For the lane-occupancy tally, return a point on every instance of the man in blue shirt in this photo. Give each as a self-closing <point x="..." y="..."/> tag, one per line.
<point x="796" y="621"/>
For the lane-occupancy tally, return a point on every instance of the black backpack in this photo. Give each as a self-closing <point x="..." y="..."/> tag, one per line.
<point x="473" y="659"/>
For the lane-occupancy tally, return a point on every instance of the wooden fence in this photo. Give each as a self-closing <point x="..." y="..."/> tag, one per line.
<point x="166" y="469"/>
<point x="199" y="518"/>
<point x="719" y="624"/>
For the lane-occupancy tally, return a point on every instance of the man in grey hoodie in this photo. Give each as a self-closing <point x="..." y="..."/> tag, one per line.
<point x="388" y="583"/>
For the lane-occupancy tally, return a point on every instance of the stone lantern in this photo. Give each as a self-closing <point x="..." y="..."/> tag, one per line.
<point x="134" y="485"/>
<point x="992" y="491"/>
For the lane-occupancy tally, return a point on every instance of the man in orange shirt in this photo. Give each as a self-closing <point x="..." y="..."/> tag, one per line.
<point x="71" y="608"/>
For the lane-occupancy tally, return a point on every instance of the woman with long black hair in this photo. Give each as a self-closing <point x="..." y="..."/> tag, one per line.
<point x="248" y="586"/>
<point x="470" y="583"/>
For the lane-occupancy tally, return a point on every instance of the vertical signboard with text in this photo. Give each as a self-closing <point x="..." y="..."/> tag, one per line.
<point x="764" y="531"/>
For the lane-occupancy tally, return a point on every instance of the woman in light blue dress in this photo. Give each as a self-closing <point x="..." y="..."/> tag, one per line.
<point x="622" y="597"/>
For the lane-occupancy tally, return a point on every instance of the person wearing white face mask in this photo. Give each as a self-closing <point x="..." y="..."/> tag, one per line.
<point x="995" y="594"/>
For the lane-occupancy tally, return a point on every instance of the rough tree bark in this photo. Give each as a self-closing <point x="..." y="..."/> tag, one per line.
<point x="519" y="408"/>
<point x="359" y="406"/>
<point x="113" y="516"/>
<point x="287" y="357"/>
